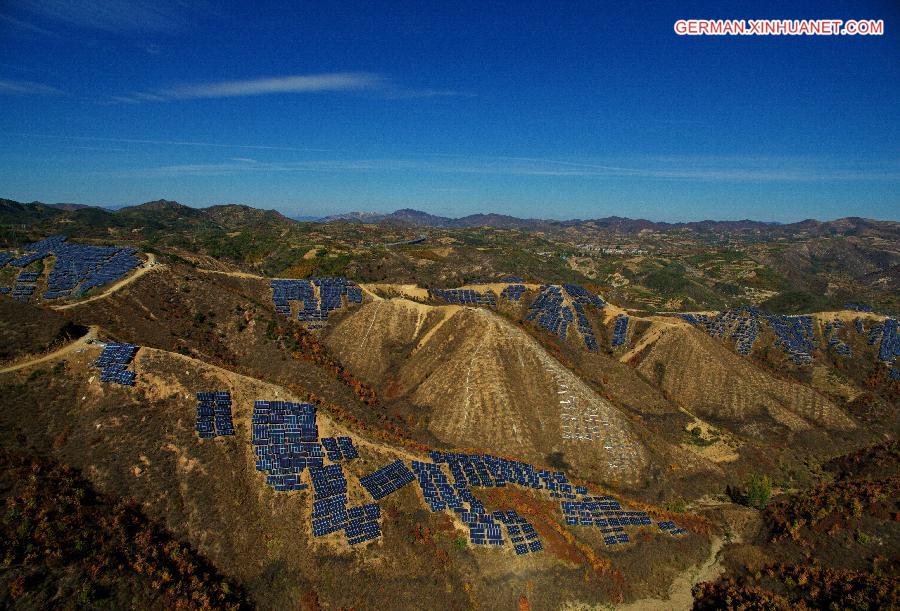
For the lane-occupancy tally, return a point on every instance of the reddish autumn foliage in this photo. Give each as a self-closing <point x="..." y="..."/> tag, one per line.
<point x="305" y="346"/>
<point x="57" y="533"/>
<point x="799" y="588"/>
<point x="832" y="505"/>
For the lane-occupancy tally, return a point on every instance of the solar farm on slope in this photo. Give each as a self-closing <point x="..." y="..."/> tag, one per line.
<point x="113" y="363"/>
<point x="286" y="443"/>
<point x="214" y="414"/>
<point x="551" y="312"/>
<point x="77" y="267"/>
<point x="794" y="334"/>
<point x="319" y="298"/>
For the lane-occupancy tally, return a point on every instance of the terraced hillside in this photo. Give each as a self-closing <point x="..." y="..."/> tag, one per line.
<point x="488" y="384"/>
<point x="711" y="381"/>
<point x="552" y="444"/>
<point x="140" y="443"/>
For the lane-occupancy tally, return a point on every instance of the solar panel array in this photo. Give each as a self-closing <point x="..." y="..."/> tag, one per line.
<point x="606" y="514"/>
<point x="834" y="342"/>
<point x="38" y="250"/>
<point x="214" y="414"/>
<point x="620" y="330"/>
<point x="500" y="280"/>
<point x="387" y="480"/>
<point x="520" y="531"/>
<point x="77" y="268"/>
<point x="890" y="341"/>
<point x="484" y="528"/>
<point x="340" y="448"/>
<point x="113" y="363"/>
<point x="793" y="334"/>
<point x="581" y="295"/>
<point x="330" y="513"/>
<point x="466" y="297"/>
<point x="285" y="439"/>
<point x="549" y="312"/>
<point x="24" y="285"/>
<point x="23" y="292"/>
<point x="6" y="257"/>
<point x="315" y="310"/>
<point x="513" y="292"/>
<point x="671" y="528"/>
<point x="286" y="442"/>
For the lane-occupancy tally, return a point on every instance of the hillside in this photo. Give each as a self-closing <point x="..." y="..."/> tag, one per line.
<point x="507" y="393"/>
<point x="199" y="488"/>
<point x="519" y="390"/>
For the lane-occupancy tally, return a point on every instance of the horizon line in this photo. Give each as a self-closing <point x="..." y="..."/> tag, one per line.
<point x="336" y="216"/>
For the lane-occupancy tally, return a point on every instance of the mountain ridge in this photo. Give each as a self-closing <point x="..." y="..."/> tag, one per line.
<point x="850" y="225"/>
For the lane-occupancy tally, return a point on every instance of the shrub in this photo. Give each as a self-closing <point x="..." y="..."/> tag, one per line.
<point x="759" y="491"/>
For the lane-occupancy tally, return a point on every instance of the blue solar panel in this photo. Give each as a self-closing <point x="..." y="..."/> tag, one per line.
<point x="794" y="335"/>
<point x="113" y="362"/>
<point x="549" y="312"/>
<point x="513" y="292"/>
<point x="340" y="448"/>
<point x="77" y="267"/>
<point x="386" y="480"/>
<point x="285" y="441"/>
<point x="315" y="309"/>
<point x="620" y="330"/>
<point x="214" y="414"/>
<point x="890" y="341"/>
<point x="466" y="297"/>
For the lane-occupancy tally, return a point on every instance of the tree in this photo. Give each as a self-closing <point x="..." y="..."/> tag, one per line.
<point x="759" y="490"/>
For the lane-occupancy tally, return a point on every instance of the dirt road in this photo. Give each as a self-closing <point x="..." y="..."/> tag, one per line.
<point x="67" y="349"/>
<point x="150" y="265"/>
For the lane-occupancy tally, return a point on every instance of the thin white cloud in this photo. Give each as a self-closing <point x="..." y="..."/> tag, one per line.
<point x="732" y="171"/>
<point x="27" y="26"/>
<point x="26" y="88"/>
<point x="113" y="15"/>
<point x="375" y="85"/>
<point x="153" y="142"/>
<point x="308" y="83"/>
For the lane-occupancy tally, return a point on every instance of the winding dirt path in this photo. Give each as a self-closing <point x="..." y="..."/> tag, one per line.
<point x="148" y="266"/>
<point x="680" y="596"/>
<point x="67" y="349"/>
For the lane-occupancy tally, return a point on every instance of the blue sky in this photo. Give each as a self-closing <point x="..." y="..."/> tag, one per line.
<point x="557" y="110"/>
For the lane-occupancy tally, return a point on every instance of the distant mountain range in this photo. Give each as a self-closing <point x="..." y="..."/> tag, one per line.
<point x="12" y="212"/>
<point x="417" y="218"/>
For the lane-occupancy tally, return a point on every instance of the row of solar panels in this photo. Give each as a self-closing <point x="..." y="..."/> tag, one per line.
<point x="549" y="312"/>
<point x="113" y="362"/>
<point x="331" y="294"/>
<point x="77" y="267"/>
<point x="386" y="480"/>
<point x="340" y="448"/>
<point x="466" y="297"/>
<point x="483" y="527"/>
<point x="513" y="292"/>
<point x="214" y="414"/>
<point x="620" y="330"/>
<point x="794" y="334"/>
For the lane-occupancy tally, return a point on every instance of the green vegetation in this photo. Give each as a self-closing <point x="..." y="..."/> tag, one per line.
<point x="759" y="490"/>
